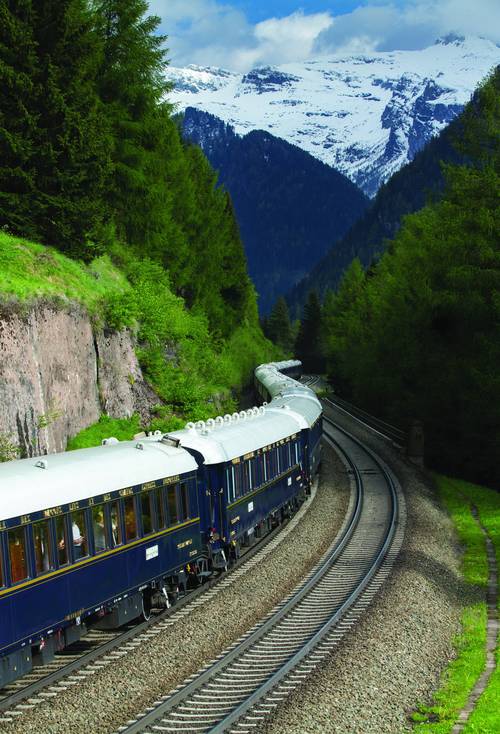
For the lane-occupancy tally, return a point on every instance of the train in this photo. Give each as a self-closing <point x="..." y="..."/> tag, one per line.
<point x="101" y="536"/>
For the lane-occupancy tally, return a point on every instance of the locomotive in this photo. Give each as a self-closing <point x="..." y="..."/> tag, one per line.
<point x="99" y="536"/>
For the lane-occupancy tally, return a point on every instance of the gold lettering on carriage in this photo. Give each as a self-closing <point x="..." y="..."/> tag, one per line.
<point x="185" y="543"/>
<point x="171" y="480"/>
<point x="53" y="511"/>
<point x="126" y="492"/>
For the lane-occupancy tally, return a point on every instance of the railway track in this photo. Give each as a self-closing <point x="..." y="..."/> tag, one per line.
<point x="100" y="648"/>
<point x="236" y="691"/>
<point x="395" y="435"/>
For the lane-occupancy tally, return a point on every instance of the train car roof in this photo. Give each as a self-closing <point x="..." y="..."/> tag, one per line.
<point x="241" y="435"/>
<point x="77" y="475"/>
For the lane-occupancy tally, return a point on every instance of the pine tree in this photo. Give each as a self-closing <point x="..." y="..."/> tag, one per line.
<point x="279" y="329"/>
<point x="18" y="119"/>
<point x="308" y="346"/>
<point x="145" y="152"/>
<point x="71" y="159"/>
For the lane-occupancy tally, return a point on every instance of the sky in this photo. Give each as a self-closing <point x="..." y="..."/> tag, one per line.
<point x="241" y="34"/>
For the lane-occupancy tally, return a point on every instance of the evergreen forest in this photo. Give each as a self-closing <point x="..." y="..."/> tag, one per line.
<point x="92" y="165"/>
<point x="417" y="336"/>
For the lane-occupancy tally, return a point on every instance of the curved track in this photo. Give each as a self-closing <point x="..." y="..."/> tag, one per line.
<point x="237" y="690"/>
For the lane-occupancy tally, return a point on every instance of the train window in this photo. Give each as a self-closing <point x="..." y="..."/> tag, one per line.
<point x="229" y="483"/>
<point x="161" y="522"/>
<point x="43" y="550"/>
<point x="116" y="527"/>
<point x="98" y="529"/>
<point x="146" y="499"/>
<point x="172" y="505"/>
<point x="184" y="501"/>
<point x="264" y="466"/>
<point x="237" y="483"/>
<point x="62" y="540"/>
<point x="247" y="477"/>
<point x="296" y="453"/>
<point x="130" y="518"/>
<point x="2" y="581"/>
<point x="79" y="535"/>
<point x="16" y="539"/>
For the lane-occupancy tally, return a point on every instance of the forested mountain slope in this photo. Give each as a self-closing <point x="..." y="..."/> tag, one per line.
<point x="417" y="337"/>
<point x="289" y="205"/>
<point x="407" y="191"/>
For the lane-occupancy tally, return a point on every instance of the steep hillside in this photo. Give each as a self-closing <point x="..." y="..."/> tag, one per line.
<point x="366" y="115"/>
<point x="289" y="206"/>
<point x="406" y="192"/>
<point x="106" y="345"/>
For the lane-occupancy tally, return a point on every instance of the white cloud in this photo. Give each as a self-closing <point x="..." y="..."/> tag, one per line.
<point x="386" y="27"/>
<point x="206" y="32"/>
<point x="213" y="33"/>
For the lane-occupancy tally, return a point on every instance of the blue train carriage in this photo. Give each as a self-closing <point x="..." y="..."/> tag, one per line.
<point x="90" y="536"/>
<point x="253" y="464"/>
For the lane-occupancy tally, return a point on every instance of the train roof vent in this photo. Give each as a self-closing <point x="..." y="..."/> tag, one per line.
<point x="42" y="464"/>
<point x="109" y="441"/>
<point x="171" y="440"/>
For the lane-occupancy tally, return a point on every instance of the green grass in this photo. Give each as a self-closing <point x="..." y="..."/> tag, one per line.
<point x="30" y="271"/>
<point x="461" y="675"/>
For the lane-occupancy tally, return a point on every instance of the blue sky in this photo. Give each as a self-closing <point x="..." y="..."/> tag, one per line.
<point x="240" y="34"/>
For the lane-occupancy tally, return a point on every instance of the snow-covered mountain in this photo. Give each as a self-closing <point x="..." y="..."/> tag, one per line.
<point x="366" y="115"/>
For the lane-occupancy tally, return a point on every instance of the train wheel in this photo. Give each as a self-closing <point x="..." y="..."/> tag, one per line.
<point x="146" y="605"/>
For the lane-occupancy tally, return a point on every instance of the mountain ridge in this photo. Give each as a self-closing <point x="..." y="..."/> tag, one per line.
<point x="366" y="115"/>
<point x="289" y="205"/>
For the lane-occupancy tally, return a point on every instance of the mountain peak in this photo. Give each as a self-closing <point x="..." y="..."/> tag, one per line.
<point x="366" y="115"/>
<point x="450" y="38"/>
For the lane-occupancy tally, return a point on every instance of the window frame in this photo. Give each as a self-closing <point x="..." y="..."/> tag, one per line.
<point x="52" y="548"/>
<point x="23" y="529"/>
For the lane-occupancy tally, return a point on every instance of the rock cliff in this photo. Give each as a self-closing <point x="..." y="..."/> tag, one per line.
<point x="58" y="374"/>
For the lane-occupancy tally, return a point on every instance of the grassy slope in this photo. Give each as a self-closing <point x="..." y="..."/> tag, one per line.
<point x="31" y="271"/>
<point x="462" y="673"/>
<point x="184" y="363"/>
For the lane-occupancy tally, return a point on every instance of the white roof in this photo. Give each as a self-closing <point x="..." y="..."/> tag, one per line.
<point x="240" y="435"/>
<point x="285" y="390"/>
<point x="77" y="475"/>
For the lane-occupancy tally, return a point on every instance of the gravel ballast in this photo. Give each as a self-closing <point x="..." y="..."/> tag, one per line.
<point x="106" y="700"/>
<point x="393" y="658"/>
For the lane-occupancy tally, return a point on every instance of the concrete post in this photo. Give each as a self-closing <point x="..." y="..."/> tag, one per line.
<point x="415" y="445"/>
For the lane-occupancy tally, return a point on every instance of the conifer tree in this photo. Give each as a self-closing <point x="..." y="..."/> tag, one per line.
<point x="145" y="150"/>
<point x="18" y="119"/>
<point x="308" y="346"/>
<point x="279" y="329"/>
<point x="71" y="159"/>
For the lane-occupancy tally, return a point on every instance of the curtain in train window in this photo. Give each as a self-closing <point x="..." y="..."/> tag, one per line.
<point x="158" y="492"/>
<point x="173" y="516"/>
<point x="62" y="540"/>
<point x="229" y="484"/>
<point x="98" y="529"/>
<point x="2" y="580"/>
<point x="116" y="528"/>
<point x="184" y="501"/>
<point x="79" y="534"/>
<point x="247" y="478"/>
<point x="43" y="550"/>
<point x="147" y="512"/>
<point x="130" y="518"/>
<point x="16" y="539"/>
<point x="237" y="480"/>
